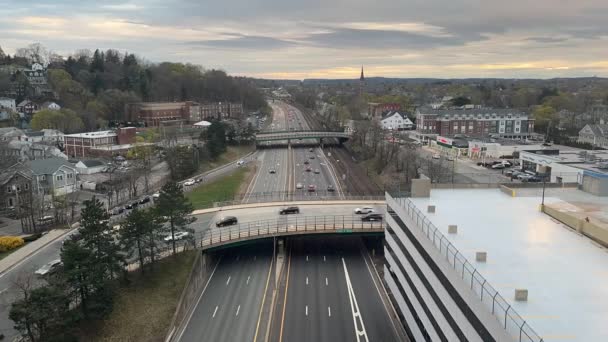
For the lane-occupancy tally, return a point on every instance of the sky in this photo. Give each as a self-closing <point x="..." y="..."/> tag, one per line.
<point x="295" y="39"/>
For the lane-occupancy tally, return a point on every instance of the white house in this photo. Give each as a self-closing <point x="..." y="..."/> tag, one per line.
<point x="394" y="120"/>
<point x="90" y="166"/>
<point x="8" y="103"/>
<point x="51" y="105"/>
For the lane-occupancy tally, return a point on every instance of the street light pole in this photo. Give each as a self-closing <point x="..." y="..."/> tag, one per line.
<point x="542" y="206"/>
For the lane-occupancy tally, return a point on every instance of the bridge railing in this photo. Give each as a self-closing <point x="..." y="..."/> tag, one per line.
<point x="288" y="225"/>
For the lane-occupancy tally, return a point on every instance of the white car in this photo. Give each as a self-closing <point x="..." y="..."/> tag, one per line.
<point x="48" y="268"/>
<point x="436" y="156"/>
<point x="240" y="162"/>
<point x="299" y="186"/>
<point x="178" y="236"/>
<point x="189" y="182"/>
<point x="364" y="210"/>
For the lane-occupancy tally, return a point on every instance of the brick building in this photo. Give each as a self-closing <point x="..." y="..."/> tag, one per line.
<point x="83" y="145"/>
<point x="375" y="110"/>
<point x="478" y="122"/>
<point x="152" y="114"/>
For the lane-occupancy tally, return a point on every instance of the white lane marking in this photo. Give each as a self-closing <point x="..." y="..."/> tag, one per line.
<point x="329" y="311"/>
<point x="228" y="281"/>
<point x="324" y="258"/>
<point x="326" y="282"/>
<point x="248" y="279"/>
<point x="237" y="257"/>
<point x="214" y="311"/>
<point x="237" y="310"/>
<point x="306" y="280"/>
<point x="307" y="258"/>
<point x="354" y="306"/>
<point x="306" y="310"/>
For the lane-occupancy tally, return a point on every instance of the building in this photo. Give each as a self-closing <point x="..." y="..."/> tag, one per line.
<point x="152" y="114"/>
<point x="477" y="122"/>
<point x="53" y="176"/>
<point x="10" y="133"/>
<point x="395" y="121"/>
<point x="50" y="105"/>
<point x="27" y="150"/>
<point x="13" y="182"/>
<point x="8" y="103"/>
<point x="102" y="143"/>
<point x="90" y="166"/>
<point x="27" y="107"/>
<point x="596" y="135"/>
<point x="375" y="110"/>
<point x="218" y="110"/>
<point x="481" y="265"/>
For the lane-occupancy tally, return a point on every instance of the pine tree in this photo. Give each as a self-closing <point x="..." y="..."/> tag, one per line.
<point x="140" y="234"/>
<point x="175" y="208"/>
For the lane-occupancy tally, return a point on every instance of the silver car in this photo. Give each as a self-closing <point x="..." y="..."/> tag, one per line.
<point x="48" y="268"/>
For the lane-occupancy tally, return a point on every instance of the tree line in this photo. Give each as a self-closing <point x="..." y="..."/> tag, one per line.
<point x="94" y="261"/>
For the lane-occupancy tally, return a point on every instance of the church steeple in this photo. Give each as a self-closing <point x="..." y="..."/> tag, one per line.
<point x="361" y="82"/>
<point x="362" y="78"/>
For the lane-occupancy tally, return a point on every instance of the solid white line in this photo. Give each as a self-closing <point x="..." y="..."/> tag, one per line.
<point x="214" y="311"/>
<point x="306" y="280"/>
<point x="248" y="279"/>
<point x="329" y="311"/>
<point x="228" y="281"/>
<point x="324" y="258"/>
<point x="307" y="258"/>
<point x="354" y="306"/>
<point x="237" y="310"/>
<point x="306" y="310"/>
<point x="326" y="282"/>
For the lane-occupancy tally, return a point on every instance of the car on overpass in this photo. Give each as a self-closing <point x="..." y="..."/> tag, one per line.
<point x="289" y="210"/>
<point x="312" y="188"/>
<point x="364" y="210"/>
<point x="226" y="221"/>
<point x="330" y="188"/>
<point x="372" y="217"/>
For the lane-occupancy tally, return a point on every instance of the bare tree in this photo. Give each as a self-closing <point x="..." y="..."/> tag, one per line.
<point x="35" y="53"/>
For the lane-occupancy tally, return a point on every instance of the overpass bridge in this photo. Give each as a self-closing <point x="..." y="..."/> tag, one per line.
<point x="268" y="136"/>
<point x="287" y="226"/>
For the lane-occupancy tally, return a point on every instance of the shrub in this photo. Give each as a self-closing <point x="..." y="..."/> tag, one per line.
<point x="8" y="243"/>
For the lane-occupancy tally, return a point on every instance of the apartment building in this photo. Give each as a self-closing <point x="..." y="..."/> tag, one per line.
<point x="152" y="114"/>
<point x="90" y="144"/>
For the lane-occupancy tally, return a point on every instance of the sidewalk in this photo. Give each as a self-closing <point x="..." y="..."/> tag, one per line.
<point x="30" y="248"/>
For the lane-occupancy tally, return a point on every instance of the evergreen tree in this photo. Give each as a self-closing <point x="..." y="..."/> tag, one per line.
<point x="139" y="235"/>
<point x="175" y="208"/>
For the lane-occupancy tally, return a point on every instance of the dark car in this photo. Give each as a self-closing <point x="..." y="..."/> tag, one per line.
<point x="372" y="217"/>
<point x="118" y="211"/>
<point x="308" y="169"/>
<point x="306" y="162"/>
<point x="129" y="206"/>
<point x="289" y="210"/>
<point x="273" y="171"/>
<point x="312" y="157"/>
<point x="144" y="200"/>
<point x="312" y="188"/>
<point x="226" y="221"/>
<point x="330" y="188"/>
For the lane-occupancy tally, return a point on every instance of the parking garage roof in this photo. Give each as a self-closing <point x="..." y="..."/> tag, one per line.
<point x="565" y="273"/>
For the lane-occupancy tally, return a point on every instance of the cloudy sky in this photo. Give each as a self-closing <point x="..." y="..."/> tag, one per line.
<point x="299" y="39"/>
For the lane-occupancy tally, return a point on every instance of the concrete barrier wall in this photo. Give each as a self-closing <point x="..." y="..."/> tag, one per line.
<point x="577" y="222"/>
<point x="201" y="271"/>
<point x="507" y="190"/>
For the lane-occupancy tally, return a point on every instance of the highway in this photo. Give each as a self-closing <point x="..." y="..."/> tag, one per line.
<point x="229" y="308"/>
<point x="329" y="287"/>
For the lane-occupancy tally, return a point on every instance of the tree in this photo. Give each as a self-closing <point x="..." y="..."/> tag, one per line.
<point x="544" y="116"/>
<point x="460" y="101"/>
<point x="175" y="208"/>
<point x="64" y="120"/>
<point x="140" y="233"/>
<point x="35" y="53"/>
<point x="42" y="313"/>
<point x="215" y="138"/>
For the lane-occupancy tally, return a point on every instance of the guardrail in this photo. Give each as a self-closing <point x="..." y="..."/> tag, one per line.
<point x="510" y="320"/>
<point x="288" y="225"/>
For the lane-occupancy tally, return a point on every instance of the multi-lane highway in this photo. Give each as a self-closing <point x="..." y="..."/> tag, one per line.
<point x="331" y="295"/>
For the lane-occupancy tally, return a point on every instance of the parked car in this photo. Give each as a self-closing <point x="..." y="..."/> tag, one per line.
<point x="330" y="188"/>
<point x="178" y="236"/>
<point x="534" y="179"/>
<point x="436" y="156"/>
<point x="299" y="186"/>
<point x="189" y="182"/>
<point x="226" y="221"/>
<point x="240" y="162"/>
<point x="498" y="166"/>
<point x="49" y="268"/>
<point x="118" y="211"/>
<point x="524" y="177"/>
<point x="507" y="163"/>
<point x="289" y="210"/>
<point x="312" y="188"/>
<point x="317" y="171"/>
<point x="273" y="171"/>
<point x="372" y="217"/>
<point x="144" y="200"/>
<point x="364" y="210"/>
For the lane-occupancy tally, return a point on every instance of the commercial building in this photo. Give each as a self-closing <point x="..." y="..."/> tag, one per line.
<point x="475" y="122"/>
<point x="481" y="265"/>
<point x="153" y="114"/>
<point x="102" y="143"/>
<point x="8" y="103"/>
<point x="218" y="110"/>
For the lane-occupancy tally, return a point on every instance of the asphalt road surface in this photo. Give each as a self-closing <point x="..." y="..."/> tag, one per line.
<point x="229" y="308"/>
<point x="328" y="282"/>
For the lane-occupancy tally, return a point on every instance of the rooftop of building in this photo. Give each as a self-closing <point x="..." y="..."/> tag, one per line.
<point x="472" y="111"/>
<point x="595" y="161"/>
<point x="98" y="134"/>
<point x="47" y="166"/>
<point x="564" y="272"/>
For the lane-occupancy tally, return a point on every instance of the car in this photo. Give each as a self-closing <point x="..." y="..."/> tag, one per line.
<point x="364" y="210"/>
<point x="436" y="156"/>
<point x="312" y="188"/>
<point x="118" y="211"/>
<point x="330" y="188"/>
<point x="129" y="206"/>
<point x="450" y="158"/>
<point x="306" y="162"/>
<point x="308" y="169"/>
<point x="289" y="210"/>
<point x="509" y="173"/>
<point x="498" y="166"/>
<point x="49" y="268"/>
<point x="312" y="157"/>
<point x="240" y="162"/>
<point x="226" y="221"/>
<point x="46" y="220"/>
<point x="299" y="186"/>
<point x="178" y="236"/>
<point x="534" y="179"/>
<point x="310" y="149"/>
<point x="200" y="179"/>
<point x="317" y="171"/>
<point x="524" y="177"/>
<point x="144" y="200"/>
<point x="372" y="217"/>
<point x="189" y="182"/>
<point x="156" y="196"/>
<point x="273" y="171"/>
<point x="507" y="163"/>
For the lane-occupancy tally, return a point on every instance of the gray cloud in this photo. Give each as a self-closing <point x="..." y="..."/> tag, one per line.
<point x="244" y="42"/>
<point x="547" y="40"/>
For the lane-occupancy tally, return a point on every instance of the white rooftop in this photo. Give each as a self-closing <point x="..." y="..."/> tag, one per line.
<point x="566" y="274"/>
<point x="99" y="134"/>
